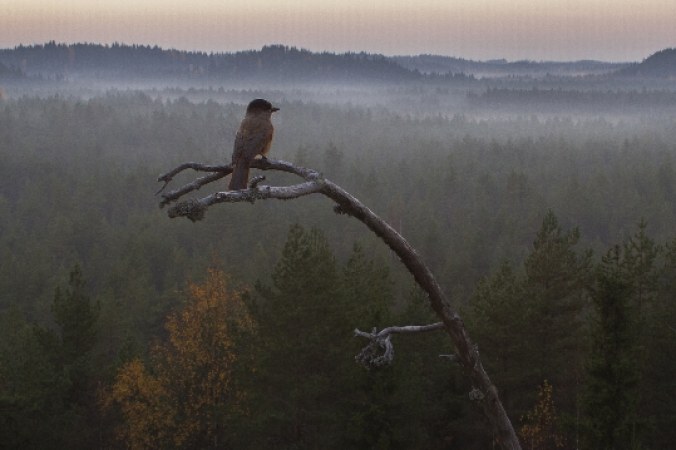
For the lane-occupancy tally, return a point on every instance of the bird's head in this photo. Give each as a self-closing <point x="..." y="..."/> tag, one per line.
<point x="260" y="106"/>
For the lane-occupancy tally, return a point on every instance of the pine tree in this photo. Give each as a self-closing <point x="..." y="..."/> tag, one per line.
<point x="498" y="317"/>
<point x="304" y="352"/>
<point x="76" y="317"/>
<point x="32" y="391"/>
<point x="610" y="393"/>
<point x="557" y="278"/>
<point x="429" y="406"/>
<point x="528" y="325"/>
<point x="657" y="339"/>
<point x="639" y="261"/>
<point x="659" y="377"/>
<point x="50" y="377"/>
<point x="373" y="407"/>
<point x="367" y="288"/>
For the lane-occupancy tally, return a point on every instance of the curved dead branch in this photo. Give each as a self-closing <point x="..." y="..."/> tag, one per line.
<point x="380" y="351"/>
<point x="483" y="391"/>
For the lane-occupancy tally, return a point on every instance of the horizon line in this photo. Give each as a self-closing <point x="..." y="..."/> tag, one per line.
<point x="300" y="48"/>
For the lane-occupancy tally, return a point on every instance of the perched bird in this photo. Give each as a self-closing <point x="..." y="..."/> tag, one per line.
<point x="254" y="137"/>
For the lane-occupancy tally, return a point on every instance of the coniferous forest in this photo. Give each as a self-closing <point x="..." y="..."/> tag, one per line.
<point x="545" y="205"/>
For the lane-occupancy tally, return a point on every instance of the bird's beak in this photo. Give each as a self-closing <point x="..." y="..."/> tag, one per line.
<point x="274" y="108"/>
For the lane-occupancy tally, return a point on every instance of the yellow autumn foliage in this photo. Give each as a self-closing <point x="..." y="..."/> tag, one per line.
<point x="188" y="392"/>
<point x="142" y="401"/>
<point x="539" y="430"/>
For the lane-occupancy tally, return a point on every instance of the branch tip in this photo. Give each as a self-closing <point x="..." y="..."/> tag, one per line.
<point x="255" y="181"/>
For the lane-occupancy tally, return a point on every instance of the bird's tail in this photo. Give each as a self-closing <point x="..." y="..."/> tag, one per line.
<point x="240" y="177"/>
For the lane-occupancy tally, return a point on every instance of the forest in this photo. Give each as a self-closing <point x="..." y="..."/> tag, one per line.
<point x="547" y="215"/>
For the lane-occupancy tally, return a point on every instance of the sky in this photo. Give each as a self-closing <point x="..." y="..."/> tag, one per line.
<point x="555" y="30"/>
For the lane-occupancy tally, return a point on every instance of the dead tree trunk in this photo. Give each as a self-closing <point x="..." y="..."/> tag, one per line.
<point x="483" y="392"/>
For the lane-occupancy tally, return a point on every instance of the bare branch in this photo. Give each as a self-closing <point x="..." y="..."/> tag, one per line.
<point x="483" y="391"/>
<point x="194" y="209"/>
<point x="413" y="328"/>
<point x="408" y="329"/>
<point x="220" y="171"/>
<point x="199" y="167"/>
<point x="371" y="357"/>
<point x="167" y="177"/>
<point x="195" y="185"/>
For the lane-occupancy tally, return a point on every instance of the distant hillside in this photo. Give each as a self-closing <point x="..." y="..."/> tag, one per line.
<point x="275" y="63"/>
<point x="282" y="64"/>
<point x="661" y="64"/>
<point x="500" y="68"/>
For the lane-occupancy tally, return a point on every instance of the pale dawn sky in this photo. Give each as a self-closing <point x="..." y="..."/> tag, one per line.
<point x="609" y="30"/>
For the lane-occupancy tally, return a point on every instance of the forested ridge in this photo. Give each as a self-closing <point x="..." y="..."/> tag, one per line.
<point x="287" y="64"/>
<point x="120" y="327"/>
<point x="659" y="64"/>
<point x="273" y="63"/>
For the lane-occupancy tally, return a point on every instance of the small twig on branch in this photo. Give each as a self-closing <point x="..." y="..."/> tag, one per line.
<point x="380" y="351"/>
<point x="195" y="185"/>
<point x="255" y="181"/>
<point x="467" y="353"/>
<point x="219" y="172"/>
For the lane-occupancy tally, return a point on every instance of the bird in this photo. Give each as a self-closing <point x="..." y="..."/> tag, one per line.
<point x="253" y="138"/>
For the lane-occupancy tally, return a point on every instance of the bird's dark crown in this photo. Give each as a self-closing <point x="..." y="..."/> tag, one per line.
<point x="260" y="105"/>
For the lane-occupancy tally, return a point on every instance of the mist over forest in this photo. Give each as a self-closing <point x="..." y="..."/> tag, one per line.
<point x="541" y="194"/>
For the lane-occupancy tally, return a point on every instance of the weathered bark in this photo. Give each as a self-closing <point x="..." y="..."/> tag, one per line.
<point x="483" y="392"/>
<point x="380" y="350"/>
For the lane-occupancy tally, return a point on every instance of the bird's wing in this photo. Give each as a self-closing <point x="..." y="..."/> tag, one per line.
<point x="238" y="148"/>
<point x="252" y="138"/>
